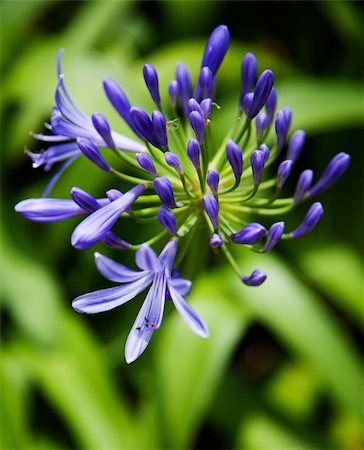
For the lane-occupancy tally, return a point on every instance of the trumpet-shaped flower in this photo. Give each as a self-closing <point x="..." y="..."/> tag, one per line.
<point x="155" y="272"/>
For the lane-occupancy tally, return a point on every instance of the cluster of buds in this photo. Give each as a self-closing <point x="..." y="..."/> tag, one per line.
<point x="181" y="177"/>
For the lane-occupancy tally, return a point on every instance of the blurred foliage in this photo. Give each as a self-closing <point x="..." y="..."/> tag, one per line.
<point x="283" y="366"/>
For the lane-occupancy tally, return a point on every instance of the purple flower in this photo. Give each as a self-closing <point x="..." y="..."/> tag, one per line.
<point x="284" y="171"/>
<point x="198" y="125"/>
<point x="69" y="122"/>
<point x="274" y="236"/>
<point x="281" y="129"/>
<point x="235" y="158"/>
<point x="146" y="163"/>
<point x="261" y="93"/>
<point x="206" y="84"/>
<point x="213" y="179"/>
<point x="295" y="145"/>
<point x="216" y="48"/>
<point x="173" y="161"/>
<point x="257" y="164"/>
<point x="55" y="210"/>
<point x="303" y="185"/>
<point x="151" y="80"/>
<point x="250" y="234"/>
<point x="155" y="272"/>
<point x="102" y="126"/>
<point x="194" y="152"/>
<point x="167" y="219"/>
<point x="173" y="90"/>
<point x="93" y="154"/>
<point x="310" y="222"/>
<point x="256" y="278"/>
<point x="248" y="73"/>
<point x="336" y="167"/>
<point x="99" y="223"/>
<point x="163" y="188"/>
<point x="212" y="209"/>
<point x="215" y="240"/>
<point x="183" y="78"/>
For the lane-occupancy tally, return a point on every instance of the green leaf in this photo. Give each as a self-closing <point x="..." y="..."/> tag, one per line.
<point x="338" y="272"/>
<point x="263" y="432"/>
<point x="188" y="368"/>
<point x="299" y="319"/>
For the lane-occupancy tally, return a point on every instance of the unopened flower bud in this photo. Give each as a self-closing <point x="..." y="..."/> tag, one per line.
<point x="163" y="188"/>
<point x="151" y="80"/>
<point x="212" y="209"/>
<point x="90" y="150"/>
<point x="235" y="158"/>
<point x="250" y="234"/>
<point x="146" y="163"/>
<point x="256" y="278"/>
<point x="102" y="126"/>
<point x="311" y="220"/>
<point x="332" y="173"/>
<point x="167" y="219"/>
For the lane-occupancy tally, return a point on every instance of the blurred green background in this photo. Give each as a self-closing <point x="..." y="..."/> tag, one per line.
<point x="283" y="366"/>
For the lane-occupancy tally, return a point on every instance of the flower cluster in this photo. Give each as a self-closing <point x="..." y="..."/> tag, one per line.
<point x="181" y="177"/>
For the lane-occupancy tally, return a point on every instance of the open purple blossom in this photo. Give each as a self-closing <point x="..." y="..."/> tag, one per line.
<point x="154" y="272"/>
<point x="180" y="177"/>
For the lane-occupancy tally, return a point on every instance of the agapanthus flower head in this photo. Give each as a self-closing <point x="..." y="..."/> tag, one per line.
<point x="180" y="177"/>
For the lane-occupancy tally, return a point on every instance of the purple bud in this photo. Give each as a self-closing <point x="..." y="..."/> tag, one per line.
<point x="295" y="145"/>
<point x="146" y="163"/>
<point x="248" y="73"/>
<point x="185" y="87"/>
<point x="159" y="130"/>
<point x="167" y="219"/>
<point x="213" y="179"/>
<point x="261" y="123"/>
<point x="113" y="194"/>
<point x="311" y="220"/>
<point x="216" y="48"/>
<point x="163" y="188"/>
<point x="235" y="158"/>
<point x="256" y="278"/>
<point x="265" y="152"/>
<point x="212" y="209"/>
<point x="151" y="80"/>
<point x="281" y="129"/>
<point x="103" y="128"/>
<point x="194" y="105"/>
<point x="271" y="104"/>
<point x="332" y="173"/>
<point x="250" y="234"/>
<point x="193" y="152"/>
<point x="257" y="164"/>
<point x="93" y="154"/>
<point x="173" y="90"/>
<point x="288" y="115"/>
<point x="303" y="185"/>
<point x="84" y="200"/>
<point x="246" y="101"/>
<point x="205" y="86"/>
<point x="141" y="123"/>
<point x="215" y="241"/>
<point x="198" y="125"/>
<point x="284" y="171"/>
<point x="173" y="161"/>
<point x="118" y="99"/>
<point x="206" y="106"/>
<point x="274" y="236"/>
<point x="262" y="90"/>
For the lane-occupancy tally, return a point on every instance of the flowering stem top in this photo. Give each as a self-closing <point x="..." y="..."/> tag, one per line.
<point x="181" y="177"/>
